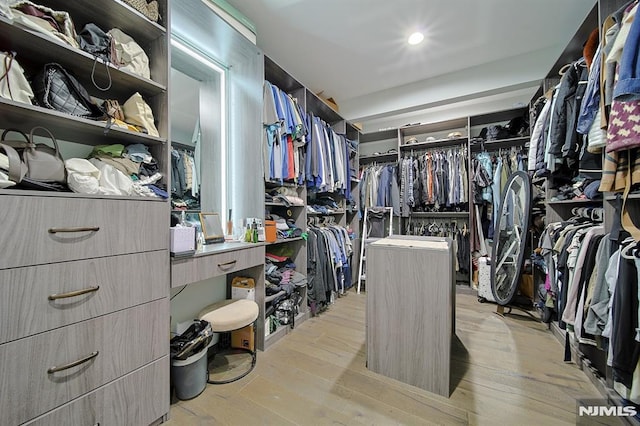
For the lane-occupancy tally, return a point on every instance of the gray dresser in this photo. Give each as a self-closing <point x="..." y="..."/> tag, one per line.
<point x="84" y="310"/>
<point x="84" y="279"/>
<point x="410" y="310"/>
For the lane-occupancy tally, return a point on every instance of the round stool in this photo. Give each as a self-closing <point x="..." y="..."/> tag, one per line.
<point x="230" y="315"/>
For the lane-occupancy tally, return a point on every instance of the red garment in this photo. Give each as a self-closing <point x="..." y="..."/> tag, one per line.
<point x="275" y="258"/>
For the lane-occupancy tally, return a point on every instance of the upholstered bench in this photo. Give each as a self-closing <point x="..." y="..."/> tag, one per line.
<point x="230" y="315"/>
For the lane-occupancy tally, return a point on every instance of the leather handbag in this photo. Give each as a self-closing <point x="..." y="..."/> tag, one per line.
<point x="41" y="162"/>
<point x="15" y="168"/>
<point x="138" y="113"/>
<point x="148" y="9"/>
<point x="13" y="83"/>
<point x="56" y="89"/>
<point x="127" y="54"/>
<point x="95" y="41"/>
<point x="113" y="109"/>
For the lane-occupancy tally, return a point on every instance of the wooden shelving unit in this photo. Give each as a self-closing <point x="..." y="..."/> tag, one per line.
<point x="127" y="235"/>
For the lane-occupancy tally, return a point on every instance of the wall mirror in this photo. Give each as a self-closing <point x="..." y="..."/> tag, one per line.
<point x="226" y="73"/>
<point x="198" y="94"/>
<point x="510" y="237"/>
<point x="211" y="228"/>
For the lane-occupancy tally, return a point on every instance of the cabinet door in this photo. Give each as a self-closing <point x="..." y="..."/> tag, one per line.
<point x="39" y="298"/>
<point x="104" y="349"/>
<point x="120" y="402"/>
<point x="37" y="230"/>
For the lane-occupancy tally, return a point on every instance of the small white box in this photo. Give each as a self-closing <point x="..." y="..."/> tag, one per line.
<point x="183" y="239"/>
<point x="243" y="293"/>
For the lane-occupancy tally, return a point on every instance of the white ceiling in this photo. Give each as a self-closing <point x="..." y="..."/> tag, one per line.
<point x="491" y="53"/>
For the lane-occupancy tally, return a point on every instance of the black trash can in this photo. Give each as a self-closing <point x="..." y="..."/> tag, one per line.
<point x="189" y="360"/>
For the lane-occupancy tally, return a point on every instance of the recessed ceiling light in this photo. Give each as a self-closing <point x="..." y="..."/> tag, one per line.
<point x="415" y="38"/>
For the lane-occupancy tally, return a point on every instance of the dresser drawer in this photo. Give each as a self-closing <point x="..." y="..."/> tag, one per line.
<point x="37" y="230"/>
<point x="119" y="343"/>
<point x="80" y="290"/>
<point x="191" y="270"/>
<point x="139" y="398"/>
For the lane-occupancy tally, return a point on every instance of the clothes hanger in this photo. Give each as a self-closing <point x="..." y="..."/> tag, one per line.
<point x="631" y="251"/>
<point x="564" y="68"/>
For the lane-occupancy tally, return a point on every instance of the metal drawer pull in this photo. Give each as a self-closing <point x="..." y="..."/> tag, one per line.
<point x="227" y="265"/>
<point x="89" y="357"/>
<point x="74" y="293"/>
<point x="80" y="229"/>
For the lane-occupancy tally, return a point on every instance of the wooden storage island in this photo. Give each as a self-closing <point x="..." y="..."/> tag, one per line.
<point x="410" y="310"/>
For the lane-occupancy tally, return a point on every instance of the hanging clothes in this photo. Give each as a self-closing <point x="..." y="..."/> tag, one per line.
<point x="459" y="234"/>
<point x="185" y="187"/>
<point x="434" y="180"/>
<point x="327" y="167"/>
<point x="379" y="187"/>
<point x="329" y="264"/>
<point x="491" y="171"/>
<point x="285" y="136"/>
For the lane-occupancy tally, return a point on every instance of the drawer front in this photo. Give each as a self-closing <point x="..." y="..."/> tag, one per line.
<point x="186" y="271"/>
<point x="37" y="230"/>
<point x="124" y="341"/>
<point x="139" y="398"/>
<point x="80" y="290"/>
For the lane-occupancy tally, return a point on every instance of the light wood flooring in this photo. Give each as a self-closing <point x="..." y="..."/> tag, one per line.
<point x="505" y="371"/>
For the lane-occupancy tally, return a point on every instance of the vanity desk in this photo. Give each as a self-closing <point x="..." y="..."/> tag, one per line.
<point x="228" y="259"/>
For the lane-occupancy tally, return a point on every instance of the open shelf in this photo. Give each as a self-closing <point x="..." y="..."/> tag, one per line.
<point x="634" y="196"/>
<point x="271" y="298"/>
<point x="275" y="336"/>
<point x="90" y="132"/>
<point x="321" y="109"/>
<point x="434" y="143"/>
<point x="385" y="156"/>
<point x="334" y="213"/>
<point x="284" y="241"/>
<point x="500" y="143"/>
<point x="434" y="128"/>
<point x="389" y="134"/>
<point x="277" y="184"/>
<point x="64" y="194"/>
<point x="301" y="317"/>
<point x="108" y="14"/>
<point x="570" y="202"/>
<point x="277" y="204"/>
<point x="440" y="214"/>
<point x="32" y="44"/>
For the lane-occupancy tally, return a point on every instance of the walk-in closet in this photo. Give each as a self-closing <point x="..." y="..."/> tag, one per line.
<point x="245" y="212"/>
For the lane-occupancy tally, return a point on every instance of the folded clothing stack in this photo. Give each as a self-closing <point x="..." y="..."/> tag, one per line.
<point x="586" y="189"/>
<point x="287" y="196"/>
<point x="283" y="286"/>
<point x="324" y="204"/>
<point x="116" y="170"/>
<point x="286" y="228"/>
